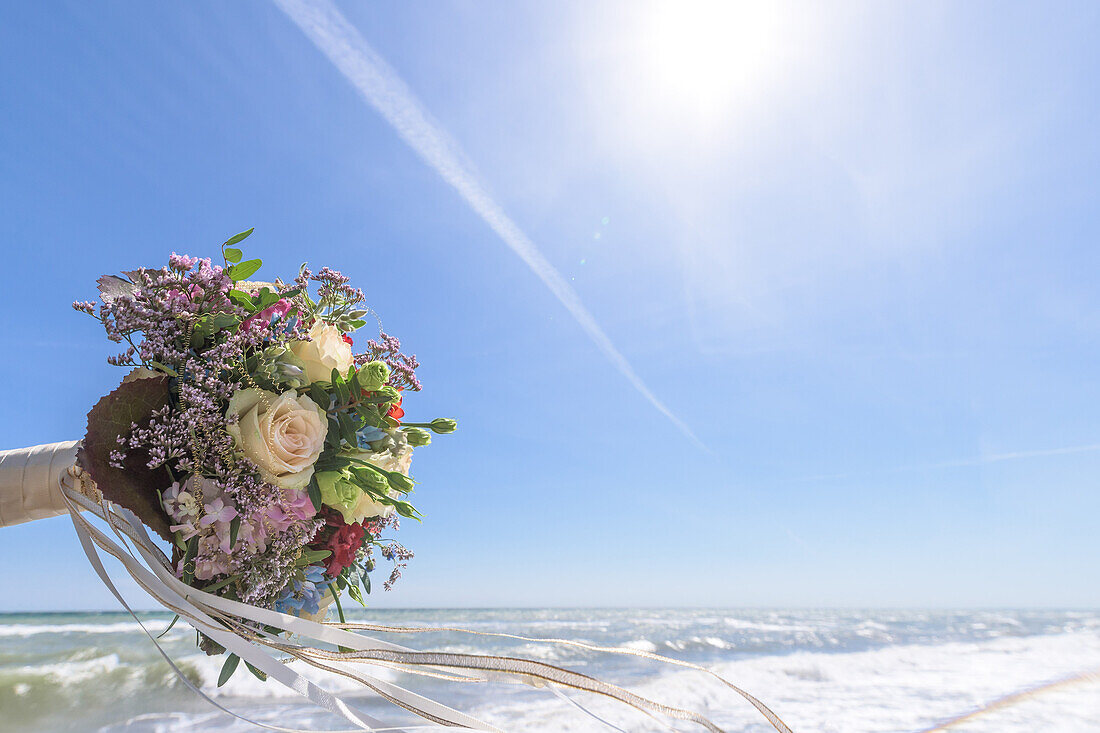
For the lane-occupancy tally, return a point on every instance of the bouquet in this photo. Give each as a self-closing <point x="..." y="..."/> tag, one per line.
<point x="274" y="463"/>
<point x="250" y="435"/>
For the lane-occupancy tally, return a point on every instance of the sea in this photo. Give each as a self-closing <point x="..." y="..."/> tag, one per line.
<point x="848" y="671"/>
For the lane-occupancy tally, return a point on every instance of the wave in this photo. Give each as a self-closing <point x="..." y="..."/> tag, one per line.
<point x="23" y="630"/>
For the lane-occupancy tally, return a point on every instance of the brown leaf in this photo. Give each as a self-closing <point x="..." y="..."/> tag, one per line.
<point x="137" y="487"/>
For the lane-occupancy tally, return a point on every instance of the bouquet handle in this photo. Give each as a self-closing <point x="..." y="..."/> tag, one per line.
<point x="29" y="485"/>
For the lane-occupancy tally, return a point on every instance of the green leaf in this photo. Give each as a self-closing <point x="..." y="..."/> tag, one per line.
<point x="243" y="299"/>
<point x="268" y="297"/>
<point x="318" y="394"/>
<point x="348" y="428"/>
<point x="365" y="578"/>
<point x="261" y="676"/>
<point x="189" y="560"/>
<point x="232" y="254"/>
<point x="311" y="556"/>
<point x="169" y="626"/>
<point x="314" y="494"/>
<point x="238" y="237"/>
<point x="166" y="369"/>
<point x="228" y="669"/>
<point x="234" y="528"/>
<point x="291" y="293"/>
<point x="244" y="270"/>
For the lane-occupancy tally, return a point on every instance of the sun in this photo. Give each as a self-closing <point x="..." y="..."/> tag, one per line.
<point x="704" y="57"/>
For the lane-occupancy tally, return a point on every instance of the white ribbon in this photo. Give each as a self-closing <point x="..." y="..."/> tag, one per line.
<point x="221" y="620"/>
<point x="165" y="587"/>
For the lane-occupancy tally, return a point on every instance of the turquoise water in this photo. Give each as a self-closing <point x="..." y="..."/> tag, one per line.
<point x="819" y="670"/>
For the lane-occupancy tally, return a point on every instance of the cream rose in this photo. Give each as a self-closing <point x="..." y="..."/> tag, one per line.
<point x="281" y="434"/>
<point x="326" y="351"/>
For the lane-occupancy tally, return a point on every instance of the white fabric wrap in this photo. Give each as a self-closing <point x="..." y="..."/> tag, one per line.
<point x="29" y="482"/>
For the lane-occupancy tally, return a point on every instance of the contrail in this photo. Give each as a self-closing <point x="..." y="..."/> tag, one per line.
<point x="981" y="460"/>
<point x="384" y="90"/>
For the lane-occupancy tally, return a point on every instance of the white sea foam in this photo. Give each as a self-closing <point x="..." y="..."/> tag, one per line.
<point x="820" y="671"/>
<point x="901" y="688"/>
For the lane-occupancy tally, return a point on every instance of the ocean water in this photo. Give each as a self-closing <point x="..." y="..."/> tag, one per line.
<point x="826" y="670"/>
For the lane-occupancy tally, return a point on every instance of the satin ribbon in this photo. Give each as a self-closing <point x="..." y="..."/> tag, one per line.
<point x="227" y="622"/>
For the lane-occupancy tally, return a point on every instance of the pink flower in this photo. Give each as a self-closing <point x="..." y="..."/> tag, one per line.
<point x="187" y="530"/>
<point x="299" y="505"/>
<point x="217" y="511"/>
<point x="252" y="534"/>
<point x="210" y="561"/>
<point x="278" y="518"/>
<point x="267" y="315"/>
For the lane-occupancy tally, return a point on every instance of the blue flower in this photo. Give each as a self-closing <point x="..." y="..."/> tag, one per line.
<point x="368" y="434"/>
<point x="304" y="595"/>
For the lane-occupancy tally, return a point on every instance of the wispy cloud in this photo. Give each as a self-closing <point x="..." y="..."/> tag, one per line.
<point x="981" y="460"/>
<point x="384" y="90"/>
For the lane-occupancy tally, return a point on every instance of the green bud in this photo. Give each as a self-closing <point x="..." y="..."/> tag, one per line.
<point x="444" y="425"/>
<point x="401" y="482"/>
<point x="373" y="480"/>
<point x="417" y="437"/>
<point x="374" y="375"/>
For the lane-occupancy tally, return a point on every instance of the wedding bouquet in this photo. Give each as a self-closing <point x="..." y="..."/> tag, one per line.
<point x="274" y="463"/>
<point x="250" y="435"/>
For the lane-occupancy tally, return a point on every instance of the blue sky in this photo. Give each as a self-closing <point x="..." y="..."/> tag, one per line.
<point x="853" y="249"/>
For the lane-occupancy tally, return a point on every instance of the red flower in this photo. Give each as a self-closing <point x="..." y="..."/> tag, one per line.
<point x="396" y="412"/>
<point x="347" y="339"/>
<point x="344" y="544"/>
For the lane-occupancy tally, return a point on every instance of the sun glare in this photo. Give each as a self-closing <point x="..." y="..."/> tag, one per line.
<point x="707" y="56"/>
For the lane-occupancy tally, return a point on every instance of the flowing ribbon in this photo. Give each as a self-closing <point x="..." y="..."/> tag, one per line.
<point x="240" y="628"/>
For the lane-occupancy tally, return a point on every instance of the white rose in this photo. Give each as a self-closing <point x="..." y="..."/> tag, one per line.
<point x="282" y="434"/>
<point x="367" y="507"/>
<point x="326" y="351"/>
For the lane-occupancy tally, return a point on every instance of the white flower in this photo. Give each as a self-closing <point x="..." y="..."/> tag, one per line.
<point x="282" y="434"/>
<point x="326" y="351"/>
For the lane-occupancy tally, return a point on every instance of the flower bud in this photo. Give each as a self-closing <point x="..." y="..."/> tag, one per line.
<point x="401" y="482"/>
<point x="373" y="480"/>
<point x="444" y="425"/>
<point x="374" y="375"/>
<point x="417" y="437"/>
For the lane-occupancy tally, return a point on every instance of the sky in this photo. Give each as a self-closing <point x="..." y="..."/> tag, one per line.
<point x="737" y="305"/>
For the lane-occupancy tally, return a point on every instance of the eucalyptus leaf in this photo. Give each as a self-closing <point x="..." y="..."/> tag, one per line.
<point x="238" y="237"/>
<point x="244" y="270"/>
<point x="260" y="675"/>
<point x="243" y="299"/>
<point x="232" y="254"/>
<point x="228" y="669"/>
